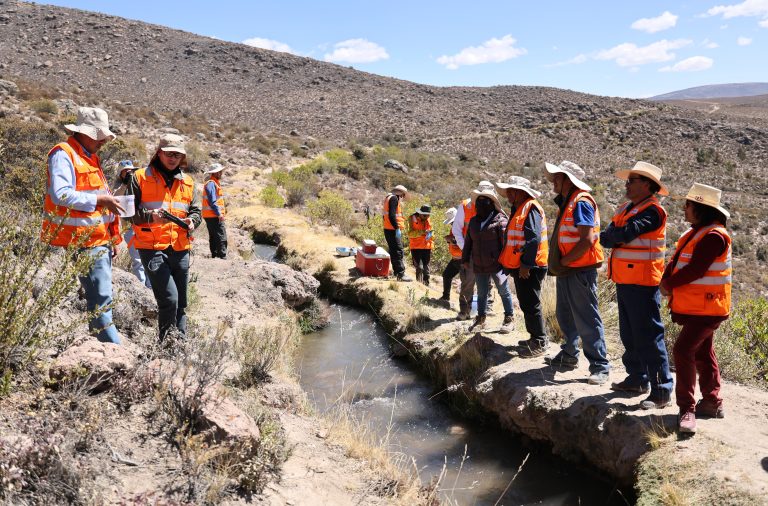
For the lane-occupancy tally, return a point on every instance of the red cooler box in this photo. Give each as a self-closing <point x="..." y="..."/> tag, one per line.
<point x="373" y="264"/>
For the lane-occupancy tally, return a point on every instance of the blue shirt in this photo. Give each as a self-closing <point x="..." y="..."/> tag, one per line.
<point x="62" y="185"/>
<point x="583" y="214"/>
<point x="210" y="193"/>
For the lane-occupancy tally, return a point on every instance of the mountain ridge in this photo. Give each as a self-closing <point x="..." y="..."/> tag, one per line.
<point x="728" y="90"/>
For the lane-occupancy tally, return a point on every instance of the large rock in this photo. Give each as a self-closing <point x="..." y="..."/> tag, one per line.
<point x="296" y="288"/>
<point x="98" y="362"/>
<point x="8" y="87"/>
<point x="134" y="302"/>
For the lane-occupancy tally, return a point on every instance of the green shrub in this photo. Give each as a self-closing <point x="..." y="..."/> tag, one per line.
<point x="748" y="326"/>
<point x="271" y="198"/>
<point x="197" y="158"/>
<point x="44" y="106"/>
<point x="259" y="350"/>
<point x="24" y="148"/>
<point x="332" y="208"/>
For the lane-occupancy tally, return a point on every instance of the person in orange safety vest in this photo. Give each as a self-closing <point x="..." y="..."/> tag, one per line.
<point x="215" y="211"/>
<point x="454" y="264"/>
<point x="394" y="225"/>
<point x="420" y="242"/>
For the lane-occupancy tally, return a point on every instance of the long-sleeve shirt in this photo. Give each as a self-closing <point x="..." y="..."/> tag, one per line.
<point x="210" y="193"/>
<point x="62" y="185"/>
<point x="394" y="200"/>
<point x="145" y="216"/>
<point x="458" y="226"/>
<point x="637" y="225"/>
<point x="532" y="237"/>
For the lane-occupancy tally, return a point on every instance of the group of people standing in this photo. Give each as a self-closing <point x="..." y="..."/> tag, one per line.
<point x="488" y="244"/>
<point x="81" y="211"/>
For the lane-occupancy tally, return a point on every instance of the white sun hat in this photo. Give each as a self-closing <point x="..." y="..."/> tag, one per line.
<point x="706" y="195"/>
<point x="645" y="169"/>
<point x="519" y="183"/>
<point x="93" y="122"/>
<point x="570" y="169"/>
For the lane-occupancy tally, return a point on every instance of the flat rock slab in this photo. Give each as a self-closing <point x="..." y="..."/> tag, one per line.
<point x="98" y="361"/>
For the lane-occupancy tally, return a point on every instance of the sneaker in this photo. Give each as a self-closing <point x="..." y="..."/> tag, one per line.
<point x="562" y="359"/>
<point x="463" y="316"/>
<point x="508" y="326"/>
<point x="598" y="378"/>
<point x="478" y="325"/>
<point x="655" y="401"/>
<point x="708" y="409"/>
<point x="627" y="386"/>
<point x="532" y="348"/>
<point x="404" y="278"/>
<point x="687" y="422"/>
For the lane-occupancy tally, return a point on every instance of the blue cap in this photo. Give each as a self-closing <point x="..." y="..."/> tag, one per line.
<point x="125" y="164"/>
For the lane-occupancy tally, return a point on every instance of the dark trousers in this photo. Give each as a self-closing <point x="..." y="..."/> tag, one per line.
<point x="420" y="258"/>
<point x="451" y="271"/>
<point x="396" y="254"/>
<point x="529" y="296"/>
<point x="217" y="237"/>
<point x="694" y="352"/>
<point x="642" y="334"/>
<point x="168" y="270"/>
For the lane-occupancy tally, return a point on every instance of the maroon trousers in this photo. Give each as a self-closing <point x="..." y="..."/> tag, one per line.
<point x="694" y="352"/>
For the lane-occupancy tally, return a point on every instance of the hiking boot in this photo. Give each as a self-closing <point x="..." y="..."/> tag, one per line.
<point x="598" y="378"/>
<point x="627" y="386"/>
<point x="446" y="298"/>
<point x="532" y="348"/>
<point x="478" y="325"/>
<point x="708" y="409"/>
<point x="405" y="278"/>
<point x="508" y="326"/>
<point x="656" y="401"/>
<point x="463" y="316"/>
<point x="687" y="422"/>
<point x="562" y="359"/>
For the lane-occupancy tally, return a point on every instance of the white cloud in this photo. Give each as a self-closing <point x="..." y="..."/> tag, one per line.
<point x="581" y="58"/>
<point x="657" y="24"/>
<point x="710" y="44"/>
<point x="274" y="45"/>
<point x="630" y="55"/>
<point x="491" y="51"/>
<point x="692" y="64"/>
<point x="746" y="8"/>
<point x="356" y="51"/>
<point x="764" y="23"/>
<point x="743" y="41"/>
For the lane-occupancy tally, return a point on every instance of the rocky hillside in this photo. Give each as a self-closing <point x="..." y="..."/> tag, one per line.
<point x="716" y="91"/>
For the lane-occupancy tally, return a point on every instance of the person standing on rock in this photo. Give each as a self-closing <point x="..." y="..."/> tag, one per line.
<point x="698" y="283"/>
<point x="125" y="172"/>
<point x="637" y="236"/>
<point x="574" y="256"/>
<point x="464" y="213"/>
<point x="81" y="212"/>
<point x="214" y="211"/>
<point x="421" y="242"/>
<point x="525" y="256"/>
<point x="167" y="211"/>
<point x="454" y="265"/>
<point x="483" y="243"/>
<point x="394" y="224"/>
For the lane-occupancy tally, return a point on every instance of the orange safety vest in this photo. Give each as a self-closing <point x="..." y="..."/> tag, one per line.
<point x="568" y="233"/>
<point x="453" y="248"/>
<point x="417" y="233"/>
<point x="513" y="249"/>
<point x="176" y="200"/>
<point x="711" y="294"/>
<point x="640" y="261"/>
<point x="398" y="214"/>
<point x="208" y="211"/>
<point x="63" y="226"/>
<point x="469" y="212"/>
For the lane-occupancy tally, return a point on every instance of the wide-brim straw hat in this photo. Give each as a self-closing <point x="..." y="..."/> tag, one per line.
<point x="216" y="167"/>
<point x="400" y="189"/>
<point x="485" y="185"/>
<point x="705" y="195"/>
<point x="570" y="169"/>
<point x="519" y="183"/>
<point x="645" y="169"/>
<point x="450" y="216"/>
<point x="92" y="122"/>
<point x="491" y="194"/>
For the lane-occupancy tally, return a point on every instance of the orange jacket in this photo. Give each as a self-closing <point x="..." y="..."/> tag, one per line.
<point x="155" y="195"/>
<point x="469" y="212"/>
<point x="208" y="211"/>
<point x="640" y="261"/>
<point x="398" y="214"/>
<point x="568" y="233"/>
<point x="513" y="248"/>
<point x="417" y="233"/>
<point x="711" y="294"/>
<point x="63" y="226"/>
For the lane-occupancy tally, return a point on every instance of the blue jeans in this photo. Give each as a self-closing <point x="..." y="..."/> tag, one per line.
<point x="483" y="282"/>
<point x="168" y="270"/>
<point x="97" y="284"/>
<point x="578" y="316"/>
<point x="645" y="356"/>
<point x="137" y="268"/>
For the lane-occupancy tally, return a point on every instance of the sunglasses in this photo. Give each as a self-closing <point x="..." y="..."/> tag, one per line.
<point x="631" y="180"/>
<point x="172" y="154"/>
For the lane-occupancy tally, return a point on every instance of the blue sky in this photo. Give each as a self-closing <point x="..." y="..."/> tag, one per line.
<point x="630" y="49"/>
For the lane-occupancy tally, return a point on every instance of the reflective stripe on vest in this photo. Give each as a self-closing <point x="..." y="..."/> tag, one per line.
<point x="641" y="260"/>
<point x="63" y="226"/>
<point x="711" y="294"/>
<point x="513" y="248"/>
<point x="417" y="233"/>
<point x="398" y="214"/>
<point x="176" y="200"/>
<point x="208" y="211"/>
<point x="568" y="233"/>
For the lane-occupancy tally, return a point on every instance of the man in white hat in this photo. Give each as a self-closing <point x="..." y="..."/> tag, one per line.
<point x="214" y="211"/>
<point x="80" y="210"/>
<point x="525" y="256"/>
<point x="454" y="265"/>
<point x="394" y="224"/>
<point x="465" y="211"/>
<point x="637" y="236"/>
<point x="574" y="256"/>
<point x="125" y="172"/>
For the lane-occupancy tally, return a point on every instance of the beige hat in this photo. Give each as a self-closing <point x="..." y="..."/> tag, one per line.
<point x="706" y="195"/>
<point x="491" y="194"/>
<point x="644" y="169"/>
<point x="173" y="143"/>
<point x="570" y="169"/>
<point x="216" y="167"/>
<point x="400" y="189"/>
<point x="485" y="185"/>
<point x="92" y="122"/>
<point x="519" y="183"/>
<point x="450" y="216"/>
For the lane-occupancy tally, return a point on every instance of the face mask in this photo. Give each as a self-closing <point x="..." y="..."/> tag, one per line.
<point x="484" y="207"/>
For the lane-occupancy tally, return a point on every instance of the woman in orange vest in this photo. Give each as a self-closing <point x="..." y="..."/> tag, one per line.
<point x="167" y="211"/>
<point x="698" y="283"/>
<point x="215" y="211"/>
<point x="420" y="241"/>
<point x="394" y="224"/>
<point x="453" y="267"/>
<point x="525" y="256"/>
